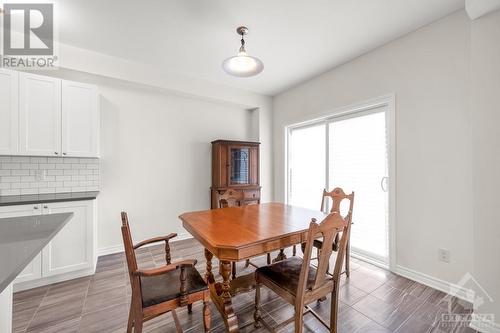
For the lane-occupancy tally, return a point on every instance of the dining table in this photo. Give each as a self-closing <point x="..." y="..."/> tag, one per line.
<point x="239" y="233"/>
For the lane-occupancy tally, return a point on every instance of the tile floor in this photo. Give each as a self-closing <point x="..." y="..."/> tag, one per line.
<point x="372" y="300"/>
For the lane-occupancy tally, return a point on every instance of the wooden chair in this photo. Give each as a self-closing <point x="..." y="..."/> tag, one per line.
<point x="160" y="290"/>
<point x="299" y="283"/>
<point x="336" y="196"/>
<point x="232" y="198"/>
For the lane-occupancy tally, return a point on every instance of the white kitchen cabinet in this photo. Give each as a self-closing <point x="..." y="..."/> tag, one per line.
<point x="80" y="119"/>
<point x="9" y="115"/>
<point x="34" y="269"/>
<point x="72" y="249"/>
<point x="39" y="115"/>
<point x="45" y="116"/>
<point x="70" y="254"/>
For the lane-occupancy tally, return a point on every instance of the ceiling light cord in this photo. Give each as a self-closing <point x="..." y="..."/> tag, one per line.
<point x="242" y="47"/>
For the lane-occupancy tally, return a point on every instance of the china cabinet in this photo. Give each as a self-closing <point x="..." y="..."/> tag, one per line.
<point x="235" y="165"/>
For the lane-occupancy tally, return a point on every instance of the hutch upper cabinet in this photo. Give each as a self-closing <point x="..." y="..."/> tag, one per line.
<point x="46" y="116"/>
<point x="235" y="165"/>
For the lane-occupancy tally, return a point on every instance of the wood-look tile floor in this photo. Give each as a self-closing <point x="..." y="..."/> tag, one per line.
<point x="372" y="300"/>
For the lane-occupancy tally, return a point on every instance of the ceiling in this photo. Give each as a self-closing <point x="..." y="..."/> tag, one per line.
<point x="295" y="39"/>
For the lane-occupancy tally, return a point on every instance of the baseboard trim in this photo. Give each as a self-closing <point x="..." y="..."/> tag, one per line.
<point x="20" y="286"/>
<point x="480" y="324"/>
<point x="103" y="251"/>
<point x="430" y="281"/>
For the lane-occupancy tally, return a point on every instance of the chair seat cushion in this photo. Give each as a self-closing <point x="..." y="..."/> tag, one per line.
<point x="286" y="274"/>
<point x="165" y="287"/>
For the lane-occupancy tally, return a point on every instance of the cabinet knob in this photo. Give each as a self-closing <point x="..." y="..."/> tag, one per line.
<point x="45" y="206"/>
<point x="35" y="207"/>
<point x="56" y="153"/>
<point x="64" y="153"/>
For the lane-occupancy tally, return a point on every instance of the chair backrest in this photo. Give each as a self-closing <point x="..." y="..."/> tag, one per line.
<point x="337" y="195"/>
<point x="230" y="198"/>
<point x="333" y="225"/>
<point x="128" y="245"/>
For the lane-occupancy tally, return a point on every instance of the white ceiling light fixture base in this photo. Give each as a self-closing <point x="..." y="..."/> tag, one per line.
<point x="242" y="65"/>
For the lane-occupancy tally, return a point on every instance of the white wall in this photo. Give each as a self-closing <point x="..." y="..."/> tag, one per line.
<point x="156" y="161"/>
<point x="428" y="72"/>
<point x="485" y="120"/>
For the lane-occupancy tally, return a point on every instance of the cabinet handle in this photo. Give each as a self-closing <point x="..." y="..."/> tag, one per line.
<point x="45" y="206"/>
<point x="56" y="153"/>
<point x="35" y="207"/>
<point x="64" y="153"/>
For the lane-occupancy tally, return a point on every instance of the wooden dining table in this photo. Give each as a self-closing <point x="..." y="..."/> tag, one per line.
<point x="239" y="233"/>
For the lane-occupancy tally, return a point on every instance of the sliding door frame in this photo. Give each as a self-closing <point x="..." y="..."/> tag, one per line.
<point x="351" y="111"/>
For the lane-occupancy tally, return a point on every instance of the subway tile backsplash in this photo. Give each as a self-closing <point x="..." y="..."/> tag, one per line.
<point x="38" y="175"/>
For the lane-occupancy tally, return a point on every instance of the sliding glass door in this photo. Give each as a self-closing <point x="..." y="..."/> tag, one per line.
<point x="307" y="165"/>
<point x="348" y="152"/>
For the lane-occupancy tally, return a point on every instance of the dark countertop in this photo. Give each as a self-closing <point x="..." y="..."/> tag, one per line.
<point x="27" y="199"/>
<point x="22" y="238"/>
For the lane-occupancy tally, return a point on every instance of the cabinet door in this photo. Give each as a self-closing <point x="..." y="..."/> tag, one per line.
<point x="72" y="248"/>
<point x="34" y="269"/>
<point x="239" y="165"/>
<point x="40" y="115"/>
<point x="80" y="119"/>
<point x="254" y="166"/>
<point x="9" y="112"/>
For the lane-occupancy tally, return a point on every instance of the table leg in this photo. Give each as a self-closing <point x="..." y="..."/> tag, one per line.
<point x="280" y="256"/>
<point x="221" y="292"/>
<point x="208" y="274"/>
<point x="229" y="316"/>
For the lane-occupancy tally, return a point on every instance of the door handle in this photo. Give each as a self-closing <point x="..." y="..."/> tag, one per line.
<point x="383" y="183"/>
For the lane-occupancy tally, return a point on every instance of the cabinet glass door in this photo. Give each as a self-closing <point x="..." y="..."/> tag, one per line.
<point x="240" y="160"/>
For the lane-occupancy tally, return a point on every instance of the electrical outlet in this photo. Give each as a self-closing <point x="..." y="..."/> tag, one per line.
<point x="444" y="255"/>
<point x="41" y="175"/>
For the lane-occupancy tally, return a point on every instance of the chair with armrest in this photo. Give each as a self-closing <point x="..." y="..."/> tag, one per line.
<point x="299" y="283"/>
<point x="160" y="290"/>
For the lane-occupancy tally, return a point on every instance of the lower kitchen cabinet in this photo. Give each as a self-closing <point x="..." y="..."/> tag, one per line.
<point x="72" y="249"/>
<point x="70" y="254"/>
<point x="34" y="269"/>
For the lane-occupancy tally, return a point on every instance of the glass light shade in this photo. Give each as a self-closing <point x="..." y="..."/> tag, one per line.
<point x="242" y="65"/>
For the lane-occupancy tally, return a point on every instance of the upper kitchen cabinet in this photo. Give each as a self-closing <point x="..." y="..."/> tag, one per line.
<point x="45" y="116"/>
<point x="80" y="120"/>
<point x="39" y="115"/>
<point x="9" y="114"/>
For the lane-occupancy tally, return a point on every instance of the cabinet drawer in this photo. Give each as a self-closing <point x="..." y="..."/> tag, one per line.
<point x="251" y="194"/>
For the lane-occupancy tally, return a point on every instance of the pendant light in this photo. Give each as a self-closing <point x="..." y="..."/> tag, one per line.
<point x="242" y="65"/>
